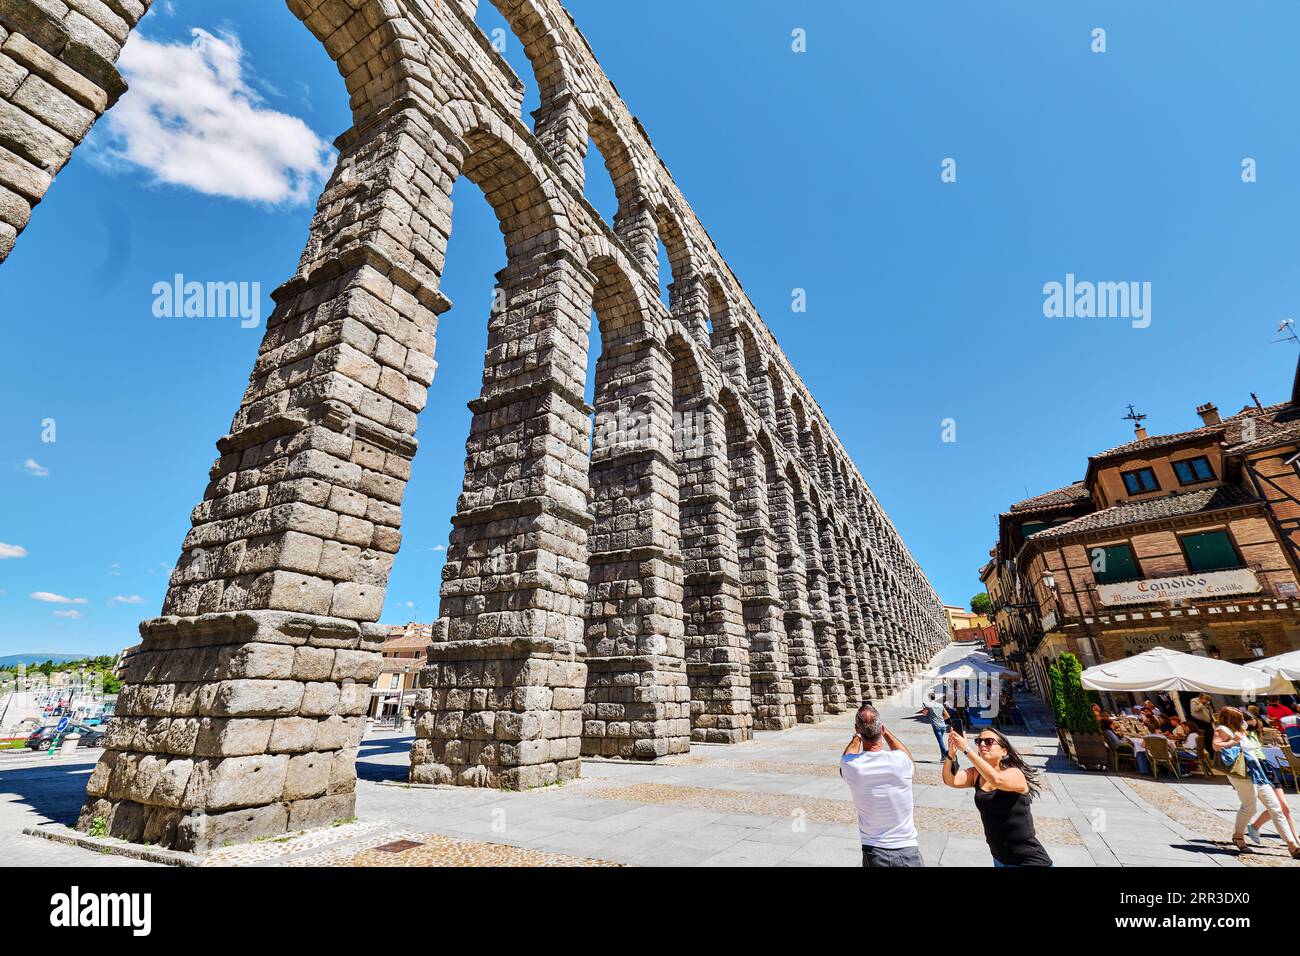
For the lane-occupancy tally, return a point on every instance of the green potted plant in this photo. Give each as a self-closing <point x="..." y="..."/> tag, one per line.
<point x="1072" y="707"/>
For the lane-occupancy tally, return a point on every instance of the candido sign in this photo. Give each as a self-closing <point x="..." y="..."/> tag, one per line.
<point x="1155" y="590"/>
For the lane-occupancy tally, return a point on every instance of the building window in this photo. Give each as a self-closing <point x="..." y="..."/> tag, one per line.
<point x="1032" y="527"/>
<point x="1140" y="481"/>
<point x="1210" y="551"/>
<point x="1114" y="564"/>
<point x="1193" y="470"/>
<point x="392" y="683"/>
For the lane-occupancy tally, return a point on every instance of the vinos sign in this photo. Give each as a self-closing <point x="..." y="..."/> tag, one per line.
<point x="1157" y="590"/>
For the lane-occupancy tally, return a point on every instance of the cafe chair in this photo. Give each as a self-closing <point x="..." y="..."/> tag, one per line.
<point x="1159" y="752"/>
<point x="1119" y="750"/>
<point x="1289" y="766"/>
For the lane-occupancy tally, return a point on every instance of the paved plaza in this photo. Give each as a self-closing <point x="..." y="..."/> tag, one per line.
<point x="777" y="801"/>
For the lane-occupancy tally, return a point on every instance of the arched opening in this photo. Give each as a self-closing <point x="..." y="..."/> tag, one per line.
<point x="723" y="336"/>
<point x="674" y="258"/>
<point x="611" y="183"/>
<point x="516" y="31"/>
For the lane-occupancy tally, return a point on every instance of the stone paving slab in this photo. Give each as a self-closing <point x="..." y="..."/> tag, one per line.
<point x="774" y="801"/>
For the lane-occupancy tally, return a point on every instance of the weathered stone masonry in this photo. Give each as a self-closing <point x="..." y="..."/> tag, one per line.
<point x="706" y="562"/>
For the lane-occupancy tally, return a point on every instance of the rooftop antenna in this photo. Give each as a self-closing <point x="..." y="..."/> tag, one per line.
<point x="1288" y="329"/>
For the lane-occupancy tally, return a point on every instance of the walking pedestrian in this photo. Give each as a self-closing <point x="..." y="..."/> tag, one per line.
<point x="1004" y="787"/>
<point x="1202" y="712"/>
<point x="1248" y="778"/>
<point x="878" y="770"/>
<point x="938" y="715"/>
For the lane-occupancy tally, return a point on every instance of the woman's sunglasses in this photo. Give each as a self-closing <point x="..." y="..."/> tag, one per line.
<point x="987" y="741"/>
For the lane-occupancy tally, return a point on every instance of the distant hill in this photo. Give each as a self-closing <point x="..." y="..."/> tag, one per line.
<point x="13" y="660"/>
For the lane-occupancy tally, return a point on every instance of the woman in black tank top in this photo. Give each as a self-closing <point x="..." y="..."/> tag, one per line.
<point x="1004" y="787"/>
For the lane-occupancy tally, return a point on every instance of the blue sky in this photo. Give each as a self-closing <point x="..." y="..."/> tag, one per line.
<point x="818" y="171"/>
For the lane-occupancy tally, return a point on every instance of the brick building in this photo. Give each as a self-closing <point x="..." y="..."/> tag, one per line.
<point x="392" y="695"/>
<point x="1188" y="540"/>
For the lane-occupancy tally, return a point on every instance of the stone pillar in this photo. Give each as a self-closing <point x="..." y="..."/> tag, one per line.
<point x="805" y="668"/>
<point x="857" y="630"/>
<point x="502" y="694"/>
<point x="243" y="708"/>
<point x="717" y="660"/>
<point x="561" y="127"/>
<point x="689" y="301"/>
<point x="819" y="607"/>
<point x="638" y="700"/>
<point x="846" y="652"/>
<point x="635" y="224"/>
<point x="771" y="684"/>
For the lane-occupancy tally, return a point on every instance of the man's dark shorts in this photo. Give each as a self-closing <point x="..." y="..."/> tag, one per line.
<point x="875" y="856"/>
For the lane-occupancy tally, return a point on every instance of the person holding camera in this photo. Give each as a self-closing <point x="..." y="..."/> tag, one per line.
<point x="1004" y="787"/>
<point x="878" y="769"/>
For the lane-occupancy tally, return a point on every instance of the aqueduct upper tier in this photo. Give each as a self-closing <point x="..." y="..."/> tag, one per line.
<point x="702" y="561"/>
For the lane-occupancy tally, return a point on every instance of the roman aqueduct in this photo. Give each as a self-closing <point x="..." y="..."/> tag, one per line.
<point x="705" y="562"/>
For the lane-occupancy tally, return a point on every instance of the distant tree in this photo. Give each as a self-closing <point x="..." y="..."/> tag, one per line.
<point x="981" y="604"/>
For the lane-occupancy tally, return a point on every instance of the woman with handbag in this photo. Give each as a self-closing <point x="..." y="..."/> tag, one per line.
<point x="1256" y="747"/>
<point x="1248" y="778"/>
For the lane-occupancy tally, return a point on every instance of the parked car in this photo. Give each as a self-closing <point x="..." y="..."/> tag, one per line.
<point x="43" y="738"/>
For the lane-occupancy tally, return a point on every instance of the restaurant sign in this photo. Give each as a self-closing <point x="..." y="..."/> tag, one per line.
<point x="1157" y="590"/>
<point x="1137" y="643"/>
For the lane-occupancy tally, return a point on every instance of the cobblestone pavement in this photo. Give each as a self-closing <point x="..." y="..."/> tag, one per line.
<point x="775" y="801"/>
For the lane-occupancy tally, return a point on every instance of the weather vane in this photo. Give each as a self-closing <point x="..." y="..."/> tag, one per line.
<point x="1133" y="416"/>
<point x="1288" y="327"/>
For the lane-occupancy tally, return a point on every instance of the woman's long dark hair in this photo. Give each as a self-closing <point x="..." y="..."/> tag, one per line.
<point x="1013" y="759"/>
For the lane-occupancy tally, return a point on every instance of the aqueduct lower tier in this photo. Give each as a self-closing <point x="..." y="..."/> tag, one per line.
<point x="705" y="562"/>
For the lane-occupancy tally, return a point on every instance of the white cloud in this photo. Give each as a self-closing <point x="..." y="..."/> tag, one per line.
<point x="120" y="599"/>
<point x="36" y="470"/>
<point x="192" y="119"/>
<point x="12" y="551"/>
<point x="50" y="598"/>
<point x="74" y="615"/>
<point x="115" y="569"/>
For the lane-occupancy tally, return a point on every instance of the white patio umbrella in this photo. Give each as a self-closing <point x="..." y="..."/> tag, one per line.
<point x="971" y="668"/>
<point x="1164" y="669"/>
<point x="1284" y="665"/>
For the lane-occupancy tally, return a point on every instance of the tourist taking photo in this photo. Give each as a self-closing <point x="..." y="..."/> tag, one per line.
<point x="1004" y="787"/>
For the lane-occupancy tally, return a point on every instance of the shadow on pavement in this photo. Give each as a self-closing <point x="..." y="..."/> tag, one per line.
<point x="55" y="792"/>
<point x="384" y="759"/>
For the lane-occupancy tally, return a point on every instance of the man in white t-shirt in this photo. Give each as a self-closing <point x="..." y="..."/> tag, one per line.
<point x="878" y="769"/>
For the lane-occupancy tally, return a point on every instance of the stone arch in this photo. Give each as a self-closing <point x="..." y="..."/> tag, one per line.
<point x="687" y="299"/>
<point x="552" y="71"/>
<point x="493" y="156"/>
<point x="633" y="221"/>
<point x="757" y="384"/>
<point x="800" y="446"/>
<point x="369" y="40"/>
<point x="786" y="426"/>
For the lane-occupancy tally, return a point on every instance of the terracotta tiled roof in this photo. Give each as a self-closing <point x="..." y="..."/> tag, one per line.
<point x="1153" y="509"/>
<point x="1229" y="431"/>
<point x="1270" y="432"/>
<point x="1054" y="499"/>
